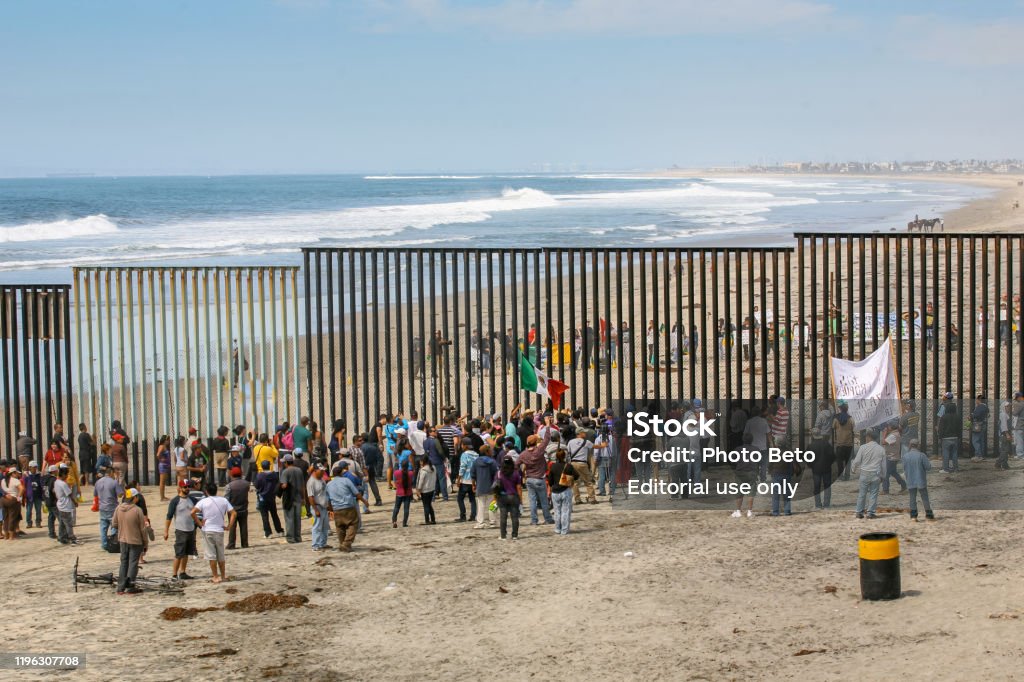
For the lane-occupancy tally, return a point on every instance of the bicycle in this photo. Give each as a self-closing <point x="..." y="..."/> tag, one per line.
<point x="160" y="585"/>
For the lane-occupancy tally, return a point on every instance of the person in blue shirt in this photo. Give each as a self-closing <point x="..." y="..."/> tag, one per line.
<point x="342" y="497"/>
<point x="396" y="427"/>
<point x="483" y="472"/>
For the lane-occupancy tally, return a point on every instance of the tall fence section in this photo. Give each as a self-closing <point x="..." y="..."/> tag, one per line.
<point x="35" y="354"/>
<point x="166" y="349"/>
<point x="357" y="332"/>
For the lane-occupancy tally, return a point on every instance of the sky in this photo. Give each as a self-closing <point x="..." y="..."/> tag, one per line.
<point x="332" y="86"/>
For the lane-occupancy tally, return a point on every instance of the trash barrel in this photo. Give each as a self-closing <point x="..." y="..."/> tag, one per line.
<point x="879" y="566"/>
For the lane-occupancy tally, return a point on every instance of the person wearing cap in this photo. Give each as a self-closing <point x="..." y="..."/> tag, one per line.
<point x="109" y="490"/>
<point x="179" y="512"/>
<point x="1017" y="424"/>
<point x="979" y="429"/>
<point x="130" y="523"/>
<point x="266" y="498"/>
<point x="237" y="493"/>
<point x="214" y="511"/>
<point x="342" y="498"/>
<point x="25" y="447"/>
<point x="32" y="483"/>
<point x="916" y="466"/>
<point x="580" y="453"/>
<point x="292" y="485"/>
<point x="65" y="502"/>
<point x="947" y="398"/>
<point x="235" y="459"/>
<point x="316" y="492"/>
<point x="46" y="483"/>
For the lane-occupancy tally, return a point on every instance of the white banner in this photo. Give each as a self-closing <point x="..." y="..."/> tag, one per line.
<point x="869" y="387"/>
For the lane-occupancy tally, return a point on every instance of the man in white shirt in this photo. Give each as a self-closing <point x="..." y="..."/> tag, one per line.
<point x="209" y="514"/>
<point x="66" y="504"/>
<point x="870" y="461"/>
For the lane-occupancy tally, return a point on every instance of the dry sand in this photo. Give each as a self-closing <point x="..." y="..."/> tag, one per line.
<point x="705" y="597"/>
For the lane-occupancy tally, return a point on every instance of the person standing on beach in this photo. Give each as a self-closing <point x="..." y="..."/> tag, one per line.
<point x="179" y="513"/>
<point x="301" y="435"/>
<point x="292" y="484"/>
<point x="821" y="469"/>
<point x="483" y="473"/>
<point x="316" y="490"/>
<point x="1017" y="424"/>
<point x="870" y="462"/>
<point x="342" y="498"/>
<point x="109" y="490"/>
<point x="534" y="465"/>
<point x="25" y="447"/>
<point x="1004" y="442"/>
<point x="842" y="427"/>
<point x="86" y="455"/>
<point x="561" y="477"/>
<point x="979" y="429"/>
<point x="891" y="442"/>
<point x="426" y="488"/>
<point x="265" y="452"/>
<point x="374" y="463"/>
<point x="266" y="498"/>
<point x="237" y="493"/>
<point x="916" y="466"/>
<point x="31" y="481"/>
<point x="47" y="483"/>
<point x="746" y="477"/>
<point x="221" y="447"/>
<point x="949" y="430"/>
<point x="466" y="461"/>
<point x="66" y="504"/>
<point x="214" y="510"/>
<point x="132" y="536"/>
<point x="508" y="493"/>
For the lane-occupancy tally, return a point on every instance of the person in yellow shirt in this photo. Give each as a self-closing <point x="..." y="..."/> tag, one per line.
<point x="73" y="479"/>
<point x="264" y="452"/>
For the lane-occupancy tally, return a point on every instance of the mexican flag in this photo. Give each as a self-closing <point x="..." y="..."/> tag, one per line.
<point x="535" y="381"/>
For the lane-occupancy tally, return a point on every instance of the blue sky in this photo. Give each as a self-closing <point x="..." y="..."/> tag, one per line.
<point x="240" y="86"/>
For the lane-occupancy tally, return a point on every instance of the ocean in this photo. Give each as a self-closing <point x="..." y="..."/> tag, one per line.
<point x="50" y="225"/>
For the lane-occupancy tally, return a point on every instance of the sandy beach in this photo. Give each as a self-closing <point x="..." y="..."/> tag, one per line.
<point x="704" y="597"/>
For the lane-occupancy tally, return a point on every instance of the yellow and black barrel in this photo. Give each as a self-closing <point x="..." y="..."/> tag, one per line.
<point x="879" y="566"/>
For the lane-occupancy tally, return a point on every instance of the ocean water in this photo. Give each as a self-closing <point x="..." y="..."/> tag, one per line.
<point x="49" y="225"/>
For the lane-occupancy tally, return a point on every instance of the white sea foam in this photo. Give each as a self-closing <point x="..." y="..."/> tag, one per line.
<point x="88" y="226"/>
<point x="423" y="177"/>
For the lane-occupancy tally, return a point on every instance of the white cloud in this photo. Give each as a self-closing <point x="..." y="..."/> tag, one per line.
<point x="635" y="17"/>
<point x="997" y="43"/>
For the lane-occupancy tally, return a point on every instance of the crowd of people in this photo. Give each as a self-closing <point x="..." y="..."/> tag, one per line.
<point x="558" y="459"/>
